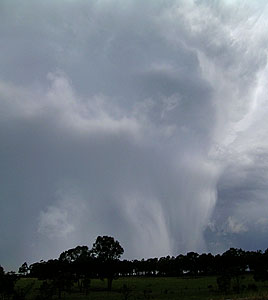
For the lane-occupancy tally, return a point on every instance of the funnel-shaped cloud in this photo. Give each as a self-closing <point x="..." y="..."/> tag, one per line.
<point x="144" y="121"/>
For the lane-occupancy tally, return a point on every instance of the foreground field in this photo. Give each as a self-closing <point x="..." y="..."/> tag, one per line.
<point x="151" y="288"/>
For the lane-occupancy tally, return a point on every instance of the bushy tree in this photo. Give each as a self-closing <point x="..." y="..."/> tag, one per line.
<point x="75" y="254"/>
<point x="107" y="251"/>
<point x="23" y="270"/>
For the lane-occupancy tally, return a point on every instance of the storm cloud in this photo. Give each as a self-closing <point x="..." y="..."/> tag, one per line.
<point x="146" y="121"/>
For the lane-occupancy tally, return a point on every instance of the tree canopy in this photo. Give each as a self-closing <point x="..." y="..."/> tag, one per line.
<point x="106" y="249"/>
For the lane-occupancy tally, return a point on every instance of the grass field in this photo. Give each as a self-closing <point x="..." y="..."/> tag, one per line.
<point x="152" y="288"/>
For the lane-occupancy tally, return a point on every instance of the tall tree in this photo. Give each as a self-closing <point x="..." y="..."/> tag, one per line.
<point x="107" y="251"/>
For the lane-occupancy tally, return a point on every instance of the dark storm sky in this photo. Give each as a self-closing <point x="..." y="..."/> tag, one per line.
<point x="144" y="120"/>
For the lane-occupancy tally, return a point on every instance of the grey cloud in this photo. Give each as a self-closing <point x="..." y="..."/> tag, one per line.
<point x="139" y="120"/>
<point x="241" y="209"/>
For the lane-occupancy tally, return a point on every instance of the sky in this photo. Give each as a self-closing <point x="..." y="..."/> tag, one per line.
<point x="142" y="120"/>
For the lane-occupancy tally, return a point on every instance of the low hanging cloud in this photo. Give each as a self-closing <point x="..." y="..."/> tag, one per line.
<point x="144" y="121"/>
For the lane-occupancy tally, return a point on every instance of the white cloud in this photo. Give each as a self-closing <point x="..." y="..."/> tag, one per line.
<point x="158" y="113"/>
<point x="61" y="219"/>
<point x="54" y="223"/>
<point x="233" y="226"/>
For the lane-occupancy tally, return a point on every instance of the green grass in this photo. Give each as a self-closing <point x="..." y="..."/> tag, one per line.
<point x="153" y="288"/>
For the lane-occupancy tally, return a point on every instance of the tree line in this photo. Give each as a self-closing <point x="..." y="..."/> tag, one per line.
<point x="96" y="261"/>
<point x="81" y="264"/>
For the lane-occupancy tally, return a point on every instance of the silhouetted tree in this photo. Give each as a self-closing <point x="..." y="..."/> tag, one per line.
<point x="23" y="270"/>
<point x="166" y="266"/>
<point x="151" y="266"/>
<point x="107" y="251"/>
<point x="260" y="266"/>
<point x="7" y="284"/>
<point x="231" y="266"/>
<point x="126" y="267"/>
<point x="205" y="264"/>
<point x="75" y="254"/>
<point x="2" y="272"/>
<point x="45" y="269"/>
<point x="79" y="262"/>
<point x="106" y="248"/>
<point x="190" y="263"/>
